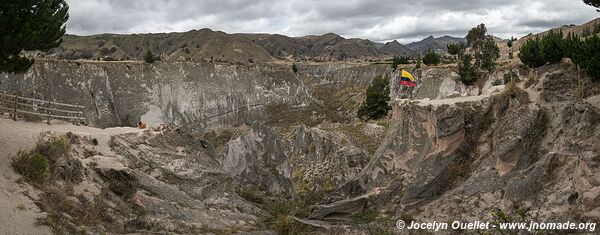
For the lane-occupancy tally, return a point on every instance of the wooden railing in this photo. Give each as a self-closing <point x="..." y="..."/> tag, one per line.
<point x="19" y="106"/>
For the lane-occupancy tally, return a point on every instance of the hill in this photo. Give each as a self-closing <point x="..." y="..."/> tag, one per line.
<point x="438" y="44"/>
<point x="217" y="46"/>
<point x="395" y="48"/>
<point x="581" y="30"/>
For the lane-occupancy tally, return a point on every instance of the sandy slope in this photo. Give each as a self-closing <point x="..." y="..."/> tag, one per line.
<point x="17" y="211"/>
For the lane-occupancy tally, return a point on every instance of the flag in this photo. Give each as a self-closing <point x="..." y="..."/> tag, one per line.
<point x="407" y="79"/>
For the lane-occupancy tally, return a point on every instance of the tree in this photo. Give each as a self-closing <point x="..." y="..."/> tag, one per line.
<point x="530" y="53"/>
<point x="466" y="70"/>
<point x="476" y="36"/>
<point x="490" y="54"/>
<point x="510" y="45"/>
<point x="397" y="60"/>
<point x="594" y="3"/>
<point x="28" y="26"/>
<point x="149" y="57"/>
<point x="588" y="57"/>
<point x="454" y="49"/>
<point x="378" y="95"/>
<point x="571" y="45"/>
<point x="431" y="58"/>
<point x="551" y="46"/>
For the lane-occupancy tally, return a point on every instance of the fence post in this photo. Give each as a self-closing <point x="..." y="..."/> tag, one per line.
<point x="15" y="108"/>
<point x="49" y="113"/>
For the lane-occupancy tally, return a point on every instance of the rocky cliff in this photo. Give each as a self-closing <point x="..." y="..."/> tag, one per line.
<point x="515" y="152"/>
<point x="206" y="94"/>
<point x="209" y="94"/>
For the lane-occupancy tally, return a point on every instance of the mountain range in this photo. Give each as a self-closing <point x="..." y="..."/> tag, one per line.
<point x="216" y="46"/>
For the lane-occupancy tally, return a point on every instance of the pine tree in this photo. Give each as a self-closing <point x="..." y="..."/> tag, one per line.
<point x="466" y="70"/>
<point x="149" y="57"/>
<point x="490" y="54"/>
<point x="431" y="58"/>
<point x="551" y="46"/>
<point x="594" y="3"/>
<point x="28" y="26"/>
<point x="588" y="57"/>
<point x="531" y="54"/>
<point x="376" y="104"/>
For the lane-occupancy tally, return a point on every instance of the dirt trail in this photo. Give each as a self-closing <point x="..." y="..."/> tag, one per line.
<point x="534" y="96"/>
<point x="17" y="212"/>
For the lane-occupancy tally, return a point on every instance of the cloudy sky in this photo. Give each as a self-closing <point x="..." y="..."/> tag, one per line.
<point x="377" y="20"/>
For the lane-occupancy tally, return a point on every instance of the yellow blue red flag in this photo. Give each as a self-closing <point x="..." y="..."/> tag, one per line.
<point x="407" y="79"/>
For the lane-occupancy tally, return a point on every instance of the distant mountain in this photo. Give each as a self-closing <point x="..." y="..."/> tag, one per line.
<point x="438" y="44"/>
<point x="327" y="47"/>
<point x="217" y="46"/>
<point x="395" y="48"/>
<point x="197" y="45"/>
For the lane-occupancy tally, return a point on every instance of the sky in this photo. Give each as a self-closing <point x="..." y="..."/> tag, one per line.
<point x="376" y="20"/>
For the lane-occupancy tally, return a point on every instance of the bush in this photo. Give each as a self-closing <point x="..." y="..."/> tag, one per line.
<point x="531" y="54"/>
<point x="33" y="166"/>
<point x="149" y="57"/>
<point x="454" y="49"/>
<point x="571" y="45"/>
<point x="431" y="58"/>
<point x="397" y="60"/>
<point x="511" y="76"/>
<point x="36" y="164"/>
<point x="466" y="70"/>
<point x="294" y="68"/>
<point x="551" y="47"/>
<point x="588" y="57"/>
<point x="490" y="54"/>
<point x="376" y="104"/>
<point x="53" y="147"/>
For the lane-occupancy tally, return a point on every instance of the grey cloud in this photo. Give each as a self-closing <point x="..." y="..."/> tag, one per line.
<point x="382" y="20"/>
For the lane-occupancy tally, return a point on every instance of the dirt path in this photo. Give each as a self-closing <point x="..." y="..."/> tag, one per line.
<point x="17" y="212"/>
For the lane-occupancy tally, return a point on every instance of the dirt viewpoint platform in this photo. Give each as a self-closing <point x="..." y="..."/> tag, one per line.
<point x="18" y="211"/>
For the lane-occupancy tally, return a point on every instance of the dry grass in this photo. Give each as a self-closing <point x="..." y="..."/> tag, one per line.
<point x="36" y="165"/>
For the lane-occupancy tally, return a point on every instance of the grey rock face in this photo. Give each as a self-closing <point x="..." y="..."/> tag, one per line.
<point x="324" y="159"/>
<point x="516" y="136"/>
<point x="258" y="158"/>
<point x="203" y="94"/>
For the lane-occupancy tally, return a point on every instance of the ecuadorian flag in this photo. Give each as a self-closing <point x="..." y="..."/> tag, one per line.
<point x="407" y="79"/>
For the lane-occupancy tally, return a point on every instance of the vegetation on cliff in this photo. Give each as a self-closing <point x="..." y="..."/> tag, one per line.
<point x="553" y="46"/>
<point x="378" y="95"/>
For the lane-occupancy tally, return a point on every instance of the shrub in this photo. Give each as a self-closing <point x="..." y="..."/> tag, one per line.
<point x="294" y="68"/>
<point x="490" y="54"/>
<point x="149" y="57"/>
<point x="53" y="147"/>
<point x="530" y="53"/>
<point x="571" y="45"/>
<point x="511" y="76"/>
<point x="551" y="47"/>
<point x="397" y="60"/>
<point x="281" y="216"/>
<point x="376" y="104"/>
<point x="466" y="70"/>
<point x="454" y="49"/>
<point x="431" y="58"/>
<point x="252" y="194"/>
<point x="33" y="166"/>
<point x="588" y="58"/>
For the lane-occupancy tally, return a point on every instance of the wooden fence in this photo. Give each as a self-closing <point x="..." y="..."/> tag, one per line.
<point x="19" y="106"/>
